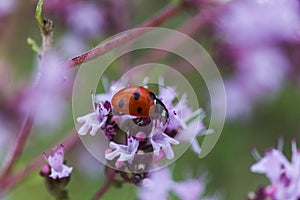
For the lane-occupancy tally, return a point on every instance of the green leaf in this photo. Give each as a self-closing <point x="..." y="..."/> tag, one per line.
<point x="175" y="2"/>
<point x="38" y="13"/>
<point x="32" y="43"/>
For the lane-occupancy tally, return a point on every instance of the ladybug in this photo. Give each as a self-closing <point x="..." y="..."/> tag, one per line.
<point x="138" y="101"/>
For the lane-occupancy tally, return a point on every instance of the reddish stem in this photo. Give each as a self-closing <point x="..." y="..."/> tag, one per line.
<point x="69" y="142"/>
<point x="111" y="173"/>
<point x="123" y="38"/>
<point x="18" y="148"/>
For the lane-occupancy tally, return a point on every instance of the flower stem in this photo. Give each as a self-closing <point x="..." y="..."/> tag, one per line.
<point x="18" y="148"/>
<point x="109" y="179"/>
<point x="123" y="38"/>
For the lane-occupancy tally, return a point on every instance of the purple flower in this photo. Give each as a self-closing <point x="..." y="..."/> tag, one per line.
<point x="189" y="189"/>
<point x="126" y="152"/>
<point x="157" y="186"/>
<point x="284" y="175"/>
<point x="255" y="67"/>
<point x="58" y="169"/>
<point x="254" y="29"/>
<point x="85" y="18"/>
<point x="71" y="45"/>
<point x="239" y="104"/>
<point x="159" y="140"/>
<point x="47" y="97"/>
<point x="94" y="120"/>
<point x="180" y="115"/>
<point x="260" y="72"/>
<point x="160" y="184"/>
<point x="257" y="22"/>
<point x="194" y="129"/>
<point x="6" y="7"/>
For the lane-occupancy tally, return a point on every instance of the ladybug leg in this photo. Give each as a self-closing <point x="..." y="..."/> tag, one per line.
<point x="142" y="121"/>
<point x="161" y="112"/>
<point x="139" y="121"/>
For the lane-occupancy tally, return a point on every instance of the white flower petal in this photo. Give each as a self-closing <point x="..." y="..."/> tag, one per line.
<point x="126" y="152"/>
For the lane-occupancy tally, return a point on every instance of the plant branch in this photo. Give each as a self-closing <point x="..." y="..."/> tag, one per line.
<point x="109" y="179"/>
<point x="18" y="148"/>
<point x="69" y="142"/>
<point x="190" y="27"/>
<point x="46" y="27"/>
<point x="123" y="38"/>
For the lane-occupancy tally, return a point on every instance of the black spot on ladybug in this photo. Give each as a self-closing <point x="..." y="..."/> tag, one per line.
<point x="136" y="96"/>
<point x="152" y="96"/>
<point x="139" y="109"/>
<point x="121" y="103"/>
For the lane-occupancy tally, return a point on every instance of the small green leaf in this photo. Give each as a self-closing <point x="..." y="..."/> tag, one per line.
<point x="32" y="43"/>
<point x="176" y="2"/>
<point x="38" y="13"/>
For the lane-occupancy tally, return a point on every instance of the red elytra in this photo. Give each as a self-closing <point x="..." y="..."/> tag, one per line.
<point x="135" y="100"/>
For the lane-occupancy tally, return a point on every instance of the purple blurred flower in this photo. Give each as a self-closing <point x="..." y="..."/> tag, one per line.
<point x="257" y="22"/>
<point x="6" y="7"/>
<point x="239" y="104"/>
<point x="189" y="189"/>
<point x="85" y="18"/>
<point x="254" y="29"/>
<point x="59" y="8"/>
<point x="58" y="169"/>
<point x="260" y="72"/>
<point x="86" y="163"/>
<point x="263" y="68"/>
<point x="46" y="97"/>
<point x="126" y="152"/>
<point x="160" y="184"/>
<point x="71" y="45"/>
<point x="284" y="175"/>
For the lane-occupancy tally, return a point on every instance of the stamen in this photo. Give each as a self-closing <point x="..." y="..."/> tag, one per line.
<point x="255" y="154"/>
<point x="105" y="83"/>
<point x="145" y="81"/>
<point x="93" y="99"/>
<point x="280" y="143"/>
<point x="45" y="156"/>
<point x="294" y="145"/>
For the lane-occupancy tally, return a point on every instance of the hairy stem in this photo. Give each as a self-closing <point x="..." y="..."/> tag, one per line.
<point x="121" y="39"/>
<point x="18" y="148"/>
<point x="109" y="178"/>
